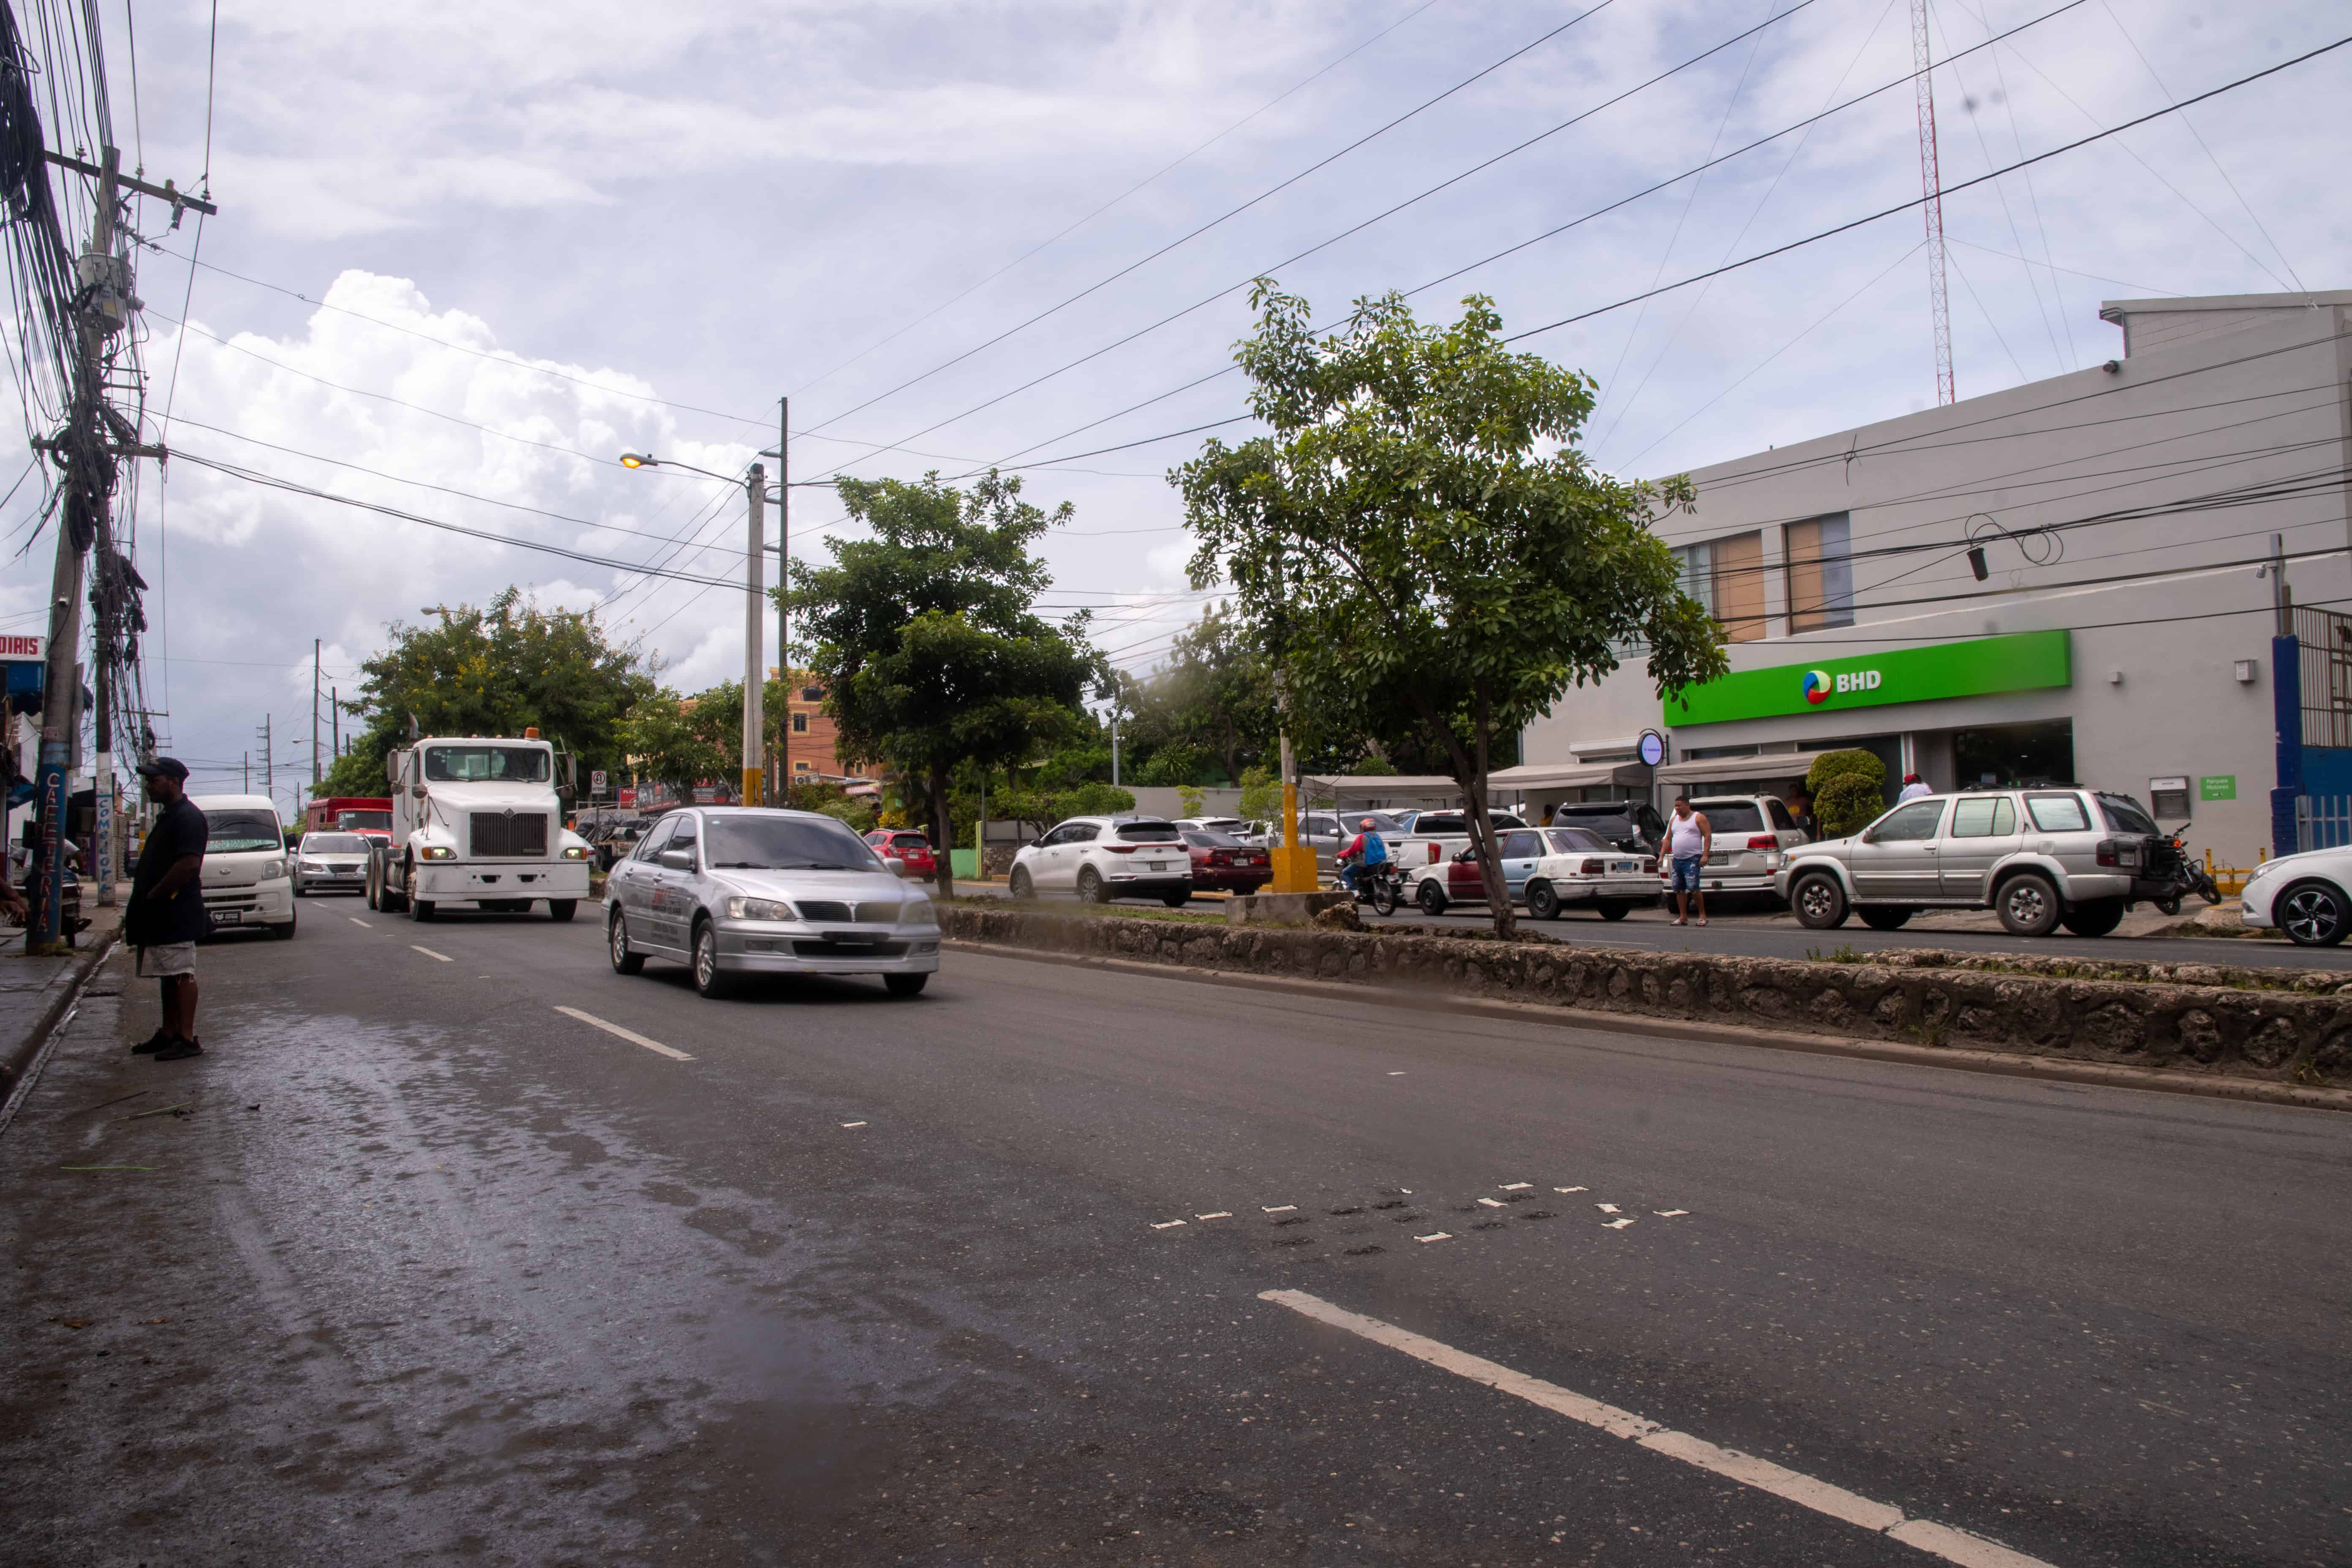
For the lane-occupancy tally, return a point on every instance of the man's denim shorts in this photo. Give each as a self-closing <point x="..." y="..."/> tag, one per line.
<point x="1686" y="873"/>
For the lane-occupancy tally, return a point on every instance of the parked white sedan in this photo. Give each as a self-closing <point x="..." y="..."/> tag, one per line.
<point x="1584" y="870"/>
<point x="2308" y="896"/>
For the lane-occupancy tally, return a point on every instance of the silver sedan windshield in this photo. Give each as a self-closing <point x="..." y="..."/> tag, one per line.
<point x="783" y="844"/>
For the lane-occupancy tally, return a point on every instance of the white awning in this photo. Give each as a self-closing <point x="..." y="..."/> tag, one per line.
<point x="1762" y="765"/>
<point x="1566" y="775"/>
<point x="1368" y="789"/>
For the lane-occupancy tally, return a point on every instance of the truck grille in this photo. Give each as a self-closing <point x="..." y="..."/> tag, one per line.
<point x="506" y="833"/>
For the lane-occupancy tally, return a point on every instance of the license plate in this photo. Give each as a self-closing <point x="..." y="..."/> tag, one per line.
<point x="1619" y="868"/>
<point x="1159" y="864"/>
<point x="1717" y="859"/>
<point x="228" y="917"/>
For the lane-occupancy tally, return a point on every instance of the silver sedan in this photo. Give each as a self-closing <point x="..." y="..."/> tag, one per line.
<point x="732" y="891"/>
<point x="326" y="861"/>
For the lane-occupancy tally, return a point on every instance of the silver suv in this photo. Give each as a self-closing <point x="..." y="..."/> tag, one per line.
<point x="2039" y="857"/>
<point x="1753" y="834"/>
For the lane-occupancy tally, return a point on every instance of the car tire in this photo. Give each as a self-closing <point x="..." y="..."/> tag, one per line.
<point x="709" y="980"/>
<point x="386" y="899"/>
<point x="1819" y="902"/>
<point x="2092" y="917"/>
<point x="906" y="985"/>
<point x="1018" y="884"/>
<point x="282" y="933"/>
<point x="2029" y="905"/>
<point x="1611" y="909"/>
<point x="562" y="909"/>
<point x="1543" y="902"/>
<point x="1090" y="887"/>
<point x="2312" y="914"/>
<point x="2168" y="906"/>
<point x="298" y="888"/>
<point x="616" y="942"/>
<point x="1175" y="900"/>
<point x="418" y="909"/>
<point x="1431" y="898"/>
<point x="1885" y="917"/>
<point x="368" y="891"/>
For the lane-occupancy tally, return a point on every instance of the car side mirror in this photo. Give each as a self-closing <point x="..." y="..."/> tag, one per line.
<point x="896" y="867"/>
<point x="677" y="860"/>
<point x="1464" y="856"/>
<point x="1038" y="842"/>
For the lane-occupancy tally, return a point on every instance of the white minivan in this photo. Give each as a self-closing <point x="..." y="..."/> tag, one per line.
<point x="245" y="878"/>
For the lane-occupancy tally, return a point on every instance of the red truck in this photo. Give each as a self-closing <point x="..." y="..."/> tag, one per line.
<point x="368" y="815"/>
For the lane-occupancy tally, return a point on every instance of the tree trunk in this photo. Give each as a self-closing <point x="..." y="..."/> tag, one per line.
<point x="942" y="840"/>
<point x="1470" y="773"/>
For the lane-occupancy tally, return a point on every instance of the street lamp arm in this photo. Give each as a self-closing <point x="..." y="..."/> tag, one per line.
<point x="646" y="460"/>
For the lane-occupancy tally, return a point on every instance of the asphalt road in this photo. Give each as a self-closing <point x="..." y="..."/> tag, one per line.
<point x="431" y="1271"/>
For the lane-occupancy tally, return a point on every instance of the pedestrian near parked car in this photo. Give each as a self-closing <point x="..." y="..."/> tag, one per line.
<point x="1689" y="839"/>
<point x="1913" y="786"/>
<point x="166" y="913"/>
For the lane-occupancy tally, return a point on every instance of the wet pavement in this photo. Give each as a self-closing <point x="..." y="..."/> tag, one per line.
<point x="412" y="1266"/>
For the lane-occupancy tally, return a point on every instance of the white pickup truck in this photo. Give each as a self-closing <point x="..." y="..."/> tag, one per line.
<point x="478" y="821"/>
<point x="1429" y="837"/>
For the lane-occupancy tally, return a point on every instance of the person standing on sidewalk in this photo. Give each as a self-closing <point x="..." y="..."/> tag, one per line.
<point x="1689" y="839"/>
<point x="166" y="913"/>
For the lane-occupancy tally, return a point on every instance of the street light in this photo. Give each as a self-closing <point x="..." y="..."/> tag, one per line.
<point x="755" y="493"/>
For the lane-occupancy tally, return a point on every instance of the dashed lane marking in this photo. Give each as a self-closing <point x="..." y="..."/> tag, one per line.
<point x="446" y="959"/>
<point x="631" y="1036"/>
<point x="1166" y="1224"/>
<point x="1942" y="1541"/>
<point x="1606" y="1208"/>
<point x="1617" y="1224"/>
<point x="1514" y="1186"/>
<point x="847" y="1125"/>
<point x="357" y="921"/>
<point x="1435" y="1235"/>
<point x="1282" y="1208"/>
<point x="1670" y="1214"/>
<point x="1221" y="1213"/>
<point x="1568" y="1189"/>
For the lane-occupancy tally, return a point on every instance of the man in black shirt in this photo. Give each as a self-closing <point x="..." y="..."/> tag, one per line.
<point x="166" y="913"/>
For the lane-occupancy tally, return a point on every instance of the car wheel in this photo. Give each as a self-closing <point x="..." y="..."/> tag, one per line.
<point x="1175" y="900"/>
<point x="418" y="909"/>
<point x="1611" y="909"/>
<point x="389" y="901"/>
<point x="1019" y="885"/>
<point x="2312" y="914"/>
<point x="2094" y="917"/>
<point x="298" y="891"/>
<point x="1090" y="887"/>
<point x="1819" y="901"/>
<point x="1543" y="902"/>
<point x="906" y="985"/>
<point x="2168" y="906"/>
<point x="709" y="978"/>
<point x="562" y="909"/>
<point x="1885" y="917"/>
<point x="617" y="937"/>
<point x="369" y="889"/>
<point x="284" y="932"/>
<point x="2027" y="905"/>
<point x="1431" y="898"/>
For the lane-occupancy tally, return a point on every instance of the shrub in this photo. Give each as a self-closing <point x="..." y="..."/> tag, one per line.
<point x="1848" y="803"/>
<point x="1189" y="797"/>
<point x="1838" y="764"/>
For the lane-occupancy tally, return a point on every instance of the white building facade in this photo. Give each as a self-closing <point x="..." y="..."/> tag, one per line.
<point x="2066" y="580"/>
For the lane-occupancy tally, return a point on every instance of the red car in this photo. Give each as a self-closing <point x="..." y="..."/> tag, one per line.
<point x="1224" y="864"/>
<point x="914" y="849"/>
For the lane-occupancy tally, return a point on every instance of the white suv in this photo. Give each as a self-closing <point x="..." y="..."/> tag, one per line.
<point x="1753" y="835"/>
<point x="1106" y="858"/>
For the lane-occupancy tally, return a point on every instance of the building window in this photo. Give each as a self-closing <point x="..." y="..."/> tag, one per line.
<point x="812" y="693"/>
<point x="1821" y="573"/>
<point x="801" y="768"/>
<point x="799" y="723"/>
<point x="1727" y="576"/>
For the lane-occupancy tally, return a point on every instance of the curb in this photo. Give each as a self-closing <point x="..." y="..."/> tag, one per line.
<point x="23" y="1068"/>
<point x="1955" y="1058"/>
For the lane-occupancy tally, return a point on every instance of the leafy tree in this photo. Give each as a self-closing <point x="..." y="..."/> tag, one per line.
<point x="1172" y="766"/>
<point x="1849" y="790"/>
<point x="685" y="741"/>
<point x="494" y="670"/>
<point x="1422" y="574"/>
<point x="1261" y="795"/>
<point x="925" y="640"/>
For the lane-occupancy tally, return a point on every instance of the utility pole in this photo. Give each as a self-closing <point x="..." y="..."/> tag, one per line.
<point x="314" y="715"/>
<point x="755" y="673"/>
<point x="246" y="788"/>
<point x="335" y="719"/>
<point x="268" y="770"/>
<point x="784" y="580"/>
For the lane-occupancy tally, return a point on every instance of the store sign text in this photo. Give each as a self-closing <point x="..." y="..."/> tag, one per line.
<point x="2021" y="661"/>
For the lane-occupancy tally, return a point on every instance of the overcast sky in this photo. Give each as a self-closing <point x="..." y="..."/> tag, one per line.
<point x="554" y="233"/>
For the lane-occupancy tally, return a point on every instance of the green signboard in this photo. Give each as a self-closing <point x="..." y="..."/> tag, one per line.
<point x="2218" y="786"/>
<point x="2022" y="661"/>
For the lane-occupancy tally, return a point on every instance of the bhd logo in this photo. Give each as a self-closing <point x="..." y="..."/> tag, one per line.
<point x="1817" y="687"/>
<point x="1820" y="685"/>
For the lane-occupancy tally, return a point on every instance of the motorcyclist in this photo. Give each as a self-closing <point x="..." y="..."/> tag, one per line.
<point x="1365" y="851"/>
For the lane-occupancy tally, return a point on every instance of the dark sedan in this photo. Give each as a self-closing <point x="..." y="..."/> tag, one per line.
<point x="1224" y="864"/>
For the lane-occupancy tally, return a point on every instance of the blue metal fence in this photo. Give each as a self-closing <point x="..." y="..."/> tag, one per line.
<point x="2323" y="821"/>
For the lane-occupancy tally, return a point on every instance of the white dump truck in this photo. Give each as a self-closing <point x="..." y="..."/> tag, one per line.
<point x="478" y="821"/>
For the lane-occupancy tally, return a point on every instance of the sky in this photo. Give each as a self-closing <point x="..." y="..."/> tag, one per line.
<point x="466" y="255"/>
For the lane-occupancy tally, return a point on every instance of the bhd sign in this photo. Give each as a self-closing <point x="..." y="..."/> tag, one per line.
<point x="2021" y="661"/>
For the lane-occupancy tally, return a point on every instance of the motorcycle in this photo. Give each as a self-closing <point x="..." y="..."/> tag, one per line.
<point x="2189" y="876"/>
<point x="1381" y="886"/>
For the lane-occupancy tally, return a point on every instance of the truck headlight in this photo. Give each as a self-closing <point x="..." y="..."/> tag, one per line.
<point x="272" y="870"/>
<point x="575" y="852"/>
<point x="439" y="852"/>
<point x="758" y="909"/>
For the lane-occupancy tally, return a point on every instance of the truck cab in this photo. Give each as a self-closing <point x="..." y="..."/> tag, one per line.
<point x="478" y="820"/>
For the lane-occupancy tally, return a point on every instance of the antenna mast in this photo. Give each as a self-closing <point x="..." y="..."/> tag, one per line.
<point x="1931" y="185"/>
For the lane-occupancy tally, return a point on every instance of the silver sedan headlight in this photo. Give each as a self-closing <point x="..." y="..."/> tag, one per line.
<point x="760" y="910"/>
<point x="919" y="911"/>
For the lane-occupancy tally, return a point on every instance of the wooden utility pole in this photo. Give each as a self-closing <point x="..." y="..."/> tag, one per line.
<point x="314" y="715"/>
<point x="755" y="671"/>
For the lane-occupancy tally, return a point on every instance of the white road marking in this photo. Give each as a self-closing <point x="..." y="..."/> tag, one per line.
<point x="1616" y="1223"/>
<point x="357" y="921"/>
<point x="1282" y="1208"/>
<point x="629" y="1034"/>
<point x="1936" y="1539"/>
<point x="1568" y="1189"/>
<point x="1606" y="1208"/>
<point x="1670" y="1214"/>
<point x="1166" y="1224"/>
<point x="1436" y="1235"/>
<point x="847" y="1125"/>
<point x="1490" y="1203"/>
<point x="1396" y="1075"/>
<point x="442" y="956"/>
<point x="1221" y="1213"/>
<point x="1515" y="1187"/>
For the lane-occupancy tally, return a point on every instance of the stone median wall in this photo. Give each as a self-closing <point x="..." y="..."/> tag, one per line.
<point x="2208" y="1028"/>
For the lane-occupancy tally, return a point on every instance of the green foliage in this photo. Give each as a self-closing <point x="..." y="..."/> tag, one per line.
<point x="1842" y="953"/>
<point x="1040" y="809"/>
<point x="1839" y="765"/>
<point x="818" y="794"/>
<point x="1423" y="548"/>
<point x="493" y="671"/>
<point x="1190" y="798"/>
<point x="1261" y="795"/>
<point x="1214" y="694"/>
<point x="1847" y="803"/>
<point x="1172" y="766"/>
<point x="925" y="635"/>
<point x="685" y="741"/>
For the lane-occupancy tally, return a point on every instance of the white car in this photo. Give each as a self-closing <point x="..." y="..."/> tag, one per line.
<point x="244" y="878"/>
<point x="1584" y="870"/>
<point x="1753" y="835"/>
<point x="324" y="862"/>
<point x="1106" y="858"/>
<point x="2308" y="896"/>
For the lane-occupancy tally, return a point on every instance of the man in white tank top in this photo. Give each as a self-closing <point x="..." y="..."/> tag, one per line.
<point x="1690" y="837"/>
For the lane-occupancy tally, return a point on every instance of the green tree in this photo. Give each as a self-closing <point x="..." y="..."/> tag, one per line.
<point x="683" y="741"/>
<point x="1261" y="795"/>
<point x="1424" y="575"/>
<point x="494" y="670"/>
<point x="1849" y="791"/>
<point x="925" y="637"/>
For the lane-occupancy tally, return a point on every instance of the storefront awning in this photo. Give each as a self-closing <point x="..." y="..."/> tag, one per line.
<point x="1566" y="775"/>
<point x="1760" y="765"/>
<point x="1364" y="789"/>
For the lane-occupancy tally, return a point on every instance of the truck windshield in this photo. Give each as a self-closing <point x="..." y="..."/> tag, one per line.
<point x="783" y="844"/>
<point x="476" y="764"/>
<point x="359" y="819"/>
<point x="238" y="832"/>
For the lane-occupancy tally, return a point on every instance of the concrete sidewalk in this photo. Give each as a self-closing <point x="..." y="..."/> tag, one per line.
<point x="37" y="993"/>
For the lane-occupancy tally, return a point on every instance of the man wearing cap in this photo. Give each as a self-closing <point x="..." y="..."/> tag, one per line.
<point x="166" y="913"/>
